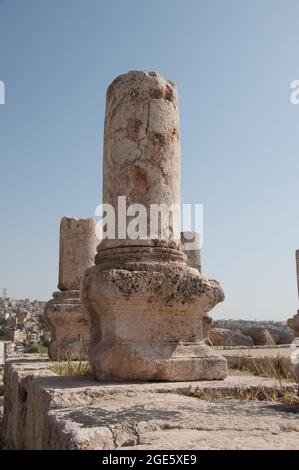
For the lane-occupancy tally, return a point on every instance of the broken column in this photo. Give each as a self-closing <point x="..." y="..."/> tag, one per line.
<point x="293" y="322"/>
<point x="192" y="246"/>
<point x="191" y="242"/>
<point x="145" y="304"/>
<point x="65" y="314"/>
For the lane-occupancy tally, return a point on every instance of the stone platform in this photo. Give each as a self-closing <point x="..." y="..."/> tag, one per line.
<point x="46" y="411"/>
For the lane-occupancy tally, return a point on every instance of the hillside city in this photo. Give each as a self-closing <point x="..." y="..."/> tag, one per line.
<point x="22" y="325"/>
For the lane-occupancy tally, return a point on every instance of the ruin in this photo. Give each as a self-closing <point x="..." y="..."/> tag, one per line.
<point x="293" y="322"/>
<point x="147" y="308"/>
<point x="146" y="303"/>
<point x="64" y="313"/>
<point x="192" y="246"/>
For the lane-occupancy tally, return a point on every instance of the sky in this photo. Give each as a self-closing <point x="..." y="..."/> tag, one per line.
<point x="233" y="62"/>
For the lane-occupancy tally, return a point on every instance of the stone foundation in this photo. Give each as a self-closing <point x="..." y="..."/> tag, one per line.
<point x="151" y="323"/>
<point x="46" y="411"/>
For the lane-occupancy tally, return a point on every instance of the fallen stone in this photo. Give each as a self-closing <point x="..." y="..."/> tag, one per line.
<point x="227" y="337"/>
<point x="281" y="336"/>
<point x="260" y="336"/>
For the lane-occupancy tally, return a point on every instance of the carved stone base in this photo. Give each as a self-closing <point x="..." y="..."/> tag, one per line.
<point x="293" y="323"/>
<point x="68" y="323"/>
<point x="148" y="322"/>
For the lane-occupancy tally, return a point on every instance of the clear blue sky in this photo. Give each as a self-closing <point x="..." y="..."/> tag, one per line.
<point x="233" y="62"/>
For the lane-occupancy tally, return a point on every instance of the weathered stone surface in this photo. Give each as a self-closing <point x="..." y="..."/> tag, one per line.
<point x="176" y="422"/>
<point x="293" y="323"/>
<point x="192" y="246"/>
<point x="226" y="337"/>
<point x="260" y="336"/>
<point x="64" y="313"/>
<point x="78" y="243"/>
<point x="297" y="269"/>
<point x="151" y="324"/>
<point x="22" y="406"/>
<point x="141" y="142"/>
<point x="147" y="307"/>
<point x="297" y="374"/>
<point x="69" y="326"/>
<point x="281" y="336"/>
<point x="51" y="412"/>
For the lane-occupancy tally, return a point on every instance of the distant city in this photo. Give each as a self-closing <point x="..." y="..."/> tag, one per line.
<point x="22" y="325"/>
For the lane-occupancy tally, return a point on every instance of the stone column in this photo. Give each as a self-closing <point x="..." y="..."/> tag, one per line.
<point x="192" y="246"/>
<point x="293" y="322"/>
<point x="64" y="313"/>
<point x="297" y="270"/>
<point x="191" y="242"/>
<point x="145" y="304"/>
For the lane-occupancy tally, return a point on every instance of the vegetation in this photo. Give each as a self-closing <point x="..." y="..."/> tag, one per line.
<point x="70" y="368"/>
<point x="36" y="348"/>
<point x="273" y="368"/>
<point x="276" y="394"/>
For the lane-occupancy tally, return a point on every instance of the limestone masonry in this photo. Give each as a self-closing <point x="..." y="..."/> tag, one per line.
<point x="64" y="313"/>
<point x="147" y="308"/>
<point x="46" y="411"/>
<point x="78" y="243"/>
<point x="293" y="323"/>
<point x="192" y="245"/>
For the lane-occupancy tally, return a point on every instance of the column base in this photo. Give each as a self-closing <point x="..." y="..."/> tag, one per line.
<point x="150" y="323"/>
<point x="169" y="362"/>
<point x="68" y="323"/>
<point x="293" y="323"/>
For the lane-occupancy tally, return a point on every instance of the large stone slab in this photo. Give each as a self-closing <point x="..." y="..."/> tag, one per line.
<point x="46" y="411"/>
<point x="155" y="421"/>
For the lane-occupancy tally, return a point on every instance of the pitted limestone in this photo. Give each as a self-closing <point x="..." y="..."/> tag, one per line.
<point x="293" y="322"/>
<point x="147" y="307"/>
<point x="78" y="244"/>
<point x="65" y="313"/>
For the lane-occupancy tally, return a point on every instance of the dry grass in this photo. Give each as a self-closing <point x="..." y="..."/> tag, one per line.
<point x="278" y="393"/>
<point x="275" y="394"/>
<point x="243" y="371"/>
<point x="273" y="368"/>
<point x="70" y="368"/>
